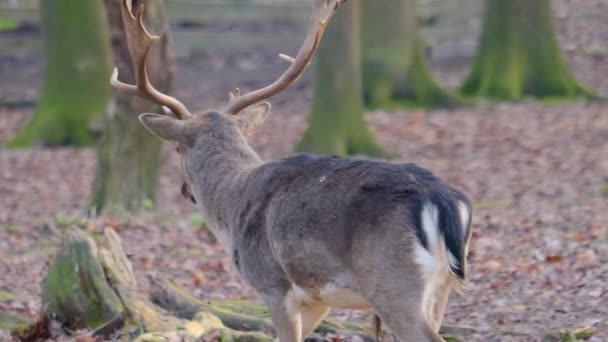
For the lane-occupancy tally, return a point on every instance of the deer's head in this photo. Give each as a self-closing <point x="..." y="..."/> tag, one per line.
<point x="240" y="117"/>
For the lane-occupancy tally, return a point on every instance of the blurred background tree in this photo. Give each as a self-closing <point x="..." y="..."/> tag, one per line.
<point x="78" y="64"/>
<point x="395" y="73"/>
<point x="128" y="156"/>
<point x="336" y="123"/>
<point x="377" y="58"/>
<point x="519" y="55"/>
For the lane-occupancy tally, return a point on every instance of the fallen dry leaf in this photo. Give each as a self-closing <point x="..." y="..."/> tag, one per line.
<point x="554" y="258"/>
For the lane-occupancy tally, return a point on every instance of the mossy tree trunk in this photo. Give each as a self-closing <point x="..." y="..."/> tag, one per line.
<point x="78" y="64"/>
<point x="519" y="55"/>
<point x="395" y="73"/>
<point x="336" y="124"/>
<point x="128" y="155"/>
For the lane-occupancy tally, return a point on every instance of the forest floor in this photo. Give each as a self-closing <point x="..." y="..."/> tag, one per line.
<point x="536" y="172"/>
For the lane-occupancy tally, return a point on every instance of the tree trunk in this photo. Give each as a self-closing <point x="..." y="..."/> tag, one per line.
<point x="336" y="124"/>
<point x="128" y="155"/>
<point x="395" y="73"/>
<point x="519" y="55"/>
<point x="77" y="70"/>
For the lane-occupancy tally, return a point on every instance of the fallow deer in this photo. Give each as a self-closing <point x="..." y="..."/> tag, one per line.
<point x="312" y="232"/>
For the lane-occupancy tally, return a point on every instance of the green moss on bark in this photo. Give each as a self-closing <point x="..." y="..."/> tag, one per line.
<point x="395" y="73"/>
<point x="336" y="124"/>
<point x="519" y="55"/>
<point x="75" y="289"/>
<point x="13" y="323"/>
<point x="78" y="65"/>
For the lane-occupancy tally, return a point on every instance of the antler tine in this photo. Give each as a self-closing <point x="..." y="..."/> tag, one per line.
<point x="139" y="42"/>
<point x="323" y="10"/>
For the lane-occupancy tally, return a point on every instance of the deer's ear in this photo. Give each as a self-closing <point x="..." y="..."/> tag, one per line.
<point x="252" y="118"/>
<point x="168" y="128"/>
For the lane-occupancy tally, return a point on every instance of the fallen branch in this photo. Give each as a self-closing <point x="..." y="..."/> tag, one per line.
<point x="235" y="314"/>
<point x="177" y="300"/>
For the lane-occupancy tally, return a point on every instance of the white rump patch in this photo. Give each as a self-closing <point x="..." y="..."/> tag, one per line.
<point x="424" y="256"/>
<point x="465" y="219"/>
<point x="452" y="261"/>
<point x="426" y="261"/>
<point x="430" y="224"/>
<point x="464" y="214"/>
<point x="434" y="261"/>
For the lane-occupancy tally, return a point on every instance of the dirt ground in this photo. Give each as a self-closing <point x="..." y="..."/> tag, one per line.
<point x="536" y="172"/>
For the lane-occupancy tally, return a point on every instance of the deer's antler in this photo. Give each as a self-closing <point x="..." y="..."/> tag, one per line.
<point x="140" y="41"/>
<point x="323" y="11"/>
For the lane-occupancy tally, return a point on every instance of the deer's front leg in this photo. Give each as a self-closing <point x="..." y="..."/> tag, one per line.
<point x="286" y="318"/>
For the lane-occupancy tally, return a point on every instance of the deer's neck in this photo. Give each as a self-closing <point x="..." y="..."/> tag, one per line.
<point x="219" y="174"/>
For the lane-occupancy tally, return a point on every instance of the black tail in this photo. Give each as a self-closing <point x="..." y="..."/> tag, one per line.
<point x="450" y="225"/>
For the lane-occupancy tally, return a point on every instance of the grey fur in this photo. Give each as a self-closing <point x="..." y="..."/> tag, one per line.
<point x="308" y="222"/>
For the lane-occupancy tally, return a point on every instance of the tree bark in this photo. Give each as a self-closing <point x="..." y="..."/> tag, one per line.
<point x="395" y="73"/>
<point x="519" y="55"/>
<point x="128" y="155"/>
<point x="78" y="65"/>
<point x="336" y="124"/>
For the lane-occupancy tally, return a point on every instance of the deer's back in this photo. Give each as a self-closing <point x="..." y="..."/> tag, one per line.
<point x="325" y="219"/>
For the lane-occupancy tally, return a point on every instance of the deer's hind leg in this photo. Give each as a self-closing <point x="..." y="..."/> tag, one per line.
<point x="399" y="293"/>
<point x="286" y="317"/>
<point x="401" y="312"/>
<point x="441" y="302"/>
